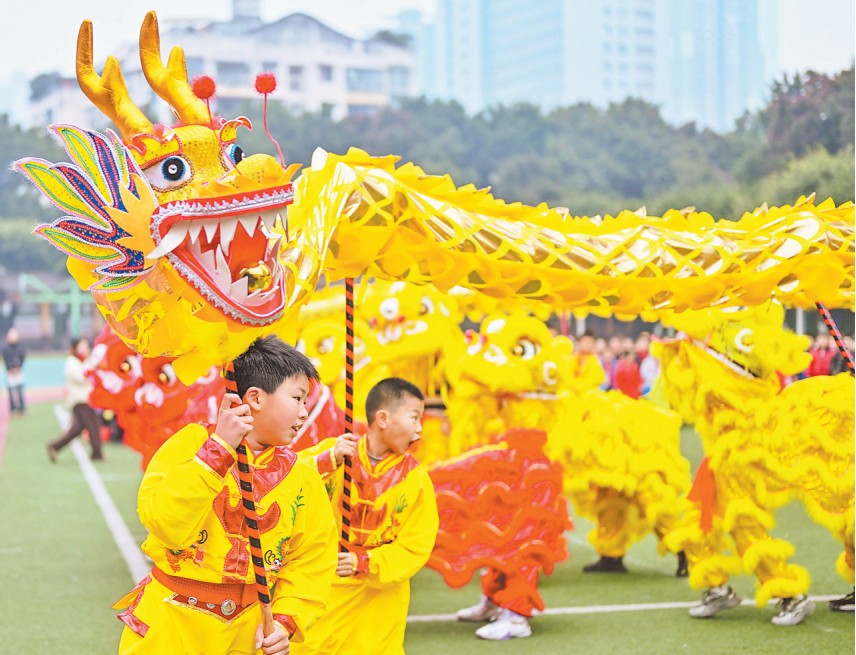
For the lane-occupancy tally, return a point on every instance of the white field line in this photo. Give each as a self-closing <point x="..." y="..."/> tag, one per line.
<point x="129" y="548"/>
<point x="598" y="609"/>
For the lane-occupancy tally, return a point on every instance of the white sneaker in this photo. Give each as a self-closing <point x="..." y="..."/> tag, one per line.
<point x="793" y="610"/>
<point x="714" y="600"/>
<point x="506" y="626"/>
<point x="482" y="611"/>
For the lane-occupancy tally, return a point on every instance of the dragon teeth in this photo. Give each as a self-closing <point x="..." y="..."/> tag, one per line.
<point x="210" y="227"/>
<point x="227" y="233"/>
<point x="238" y="289"/>
<point x="249" y="224"/>
<point x="269" y="221"/>
<point x="170" y="241"/>
<point x="194" y="230"/>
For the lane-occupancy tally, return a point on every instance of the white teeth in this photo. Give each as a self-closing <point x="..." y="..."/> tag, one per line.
<point x="207" y="259"/>
<point x="194" y="230"/>
<point x="280" y="223"/>
<point x="170" y="242"/>
<point x="238" y="290"/>
<point x="227" y="232"/>
<point x="222" y="276"/>
<point x="269" y="220"/>
<point x="210" y="229"/>
<point x="272" y="248"/>
<point x="249" y="224"/>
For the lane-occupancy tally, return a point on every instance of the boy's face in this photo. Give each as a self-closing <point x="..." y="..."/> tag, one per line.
<point x="278" y="416"/>
<point x="401" y="425"/>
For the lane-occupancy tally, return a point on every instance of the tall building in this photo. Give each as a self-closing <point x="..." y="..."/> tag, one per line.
<point x="714" y="61"/>
<point x="317" y="68"/>
<point x="700" y="60"/>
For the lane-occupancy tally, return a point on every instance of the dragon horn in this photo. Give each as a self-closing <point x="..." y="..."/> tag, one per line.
<point x="108" y="91"/>
<point x="170" y="81"/>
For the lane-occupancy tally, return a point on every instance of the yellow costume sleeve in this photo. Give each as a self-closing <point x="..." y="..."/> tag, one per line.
<point x="401" y="560"/>
<point x="320" y="457"/>
<point x="303" y="583"/>
<point x="179" y="486"/>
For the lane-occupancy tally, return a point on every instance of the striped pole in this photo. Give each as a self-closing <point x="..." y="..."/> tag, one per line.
<point x="345" y="505"/>
<point x="836" y="336"/>
<point x="245" y="478"/>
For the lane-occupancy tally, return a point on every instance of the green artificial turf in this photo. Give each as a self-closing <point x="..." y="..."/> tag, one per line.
<point x="60" y="571"/>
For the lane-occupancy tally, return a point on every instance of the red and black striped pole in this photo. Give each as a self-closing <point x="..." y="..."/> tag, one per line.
<point x="245" y="478"/>
<point x="836" y="336"/>
<point x="345" y="505"/>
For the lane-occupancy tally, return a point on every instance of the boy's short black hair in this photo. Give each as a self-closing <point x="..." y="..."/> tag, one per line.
<point x="269" y="362"/>
<point x="387" y="393"/>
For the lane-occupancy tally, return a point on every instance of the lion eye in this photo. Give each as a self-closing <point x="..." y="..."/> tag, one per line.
<point x="525" y="349"/>
<point x="167" y="375"/>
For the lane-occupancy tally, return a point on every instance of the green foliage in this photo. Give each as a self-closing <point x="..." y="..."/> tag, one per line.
<point x="23" y="252"/>
<point x="17" y="197"/>
<point x="827" y="175"/>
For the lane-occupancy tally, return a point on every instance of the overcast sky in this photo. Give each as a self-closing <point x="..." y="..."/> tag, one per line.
<point x="40" y="34"/>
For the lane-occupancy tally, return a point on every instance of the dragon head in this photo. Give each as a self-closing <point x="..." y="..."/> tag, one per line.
<point x="175" y="232"/>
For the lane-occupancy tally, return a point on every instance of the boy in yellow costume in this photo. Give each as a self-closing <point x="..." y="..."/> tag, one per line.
<point x="200" y="596"/>
<point x="393" y="526"/>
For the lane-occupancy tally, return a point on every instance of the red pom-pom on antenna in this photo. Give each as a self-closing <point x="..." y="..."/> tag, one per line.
<point x="265" y="83"/>
<point x="203" y="87"/>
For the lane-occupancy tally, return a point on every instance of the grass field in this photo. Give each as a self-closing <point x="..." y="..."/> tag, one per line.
<point x="60" y="571"/>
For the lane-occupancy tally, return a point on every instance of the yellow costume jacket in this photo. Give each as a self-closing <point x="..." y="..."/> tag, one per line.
<point x="190" y="502"/>
<point x="393" y="528"/>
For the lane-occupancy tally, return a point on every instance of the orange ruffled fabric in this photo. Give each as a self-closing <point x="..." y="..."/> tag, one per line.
<point x="501" y="506"/>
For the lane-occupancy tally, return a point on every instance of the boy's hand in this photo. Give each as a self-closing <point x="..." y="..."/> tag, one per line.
<point x="276" y="643"/>
<point x="347" y="565"/>
<point x="234" y="420"/>
<point x="346" y="446"/>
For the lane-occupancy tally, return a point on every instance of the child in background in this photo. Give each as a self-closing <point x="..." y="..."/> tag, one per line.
<point x="393" y="525"/>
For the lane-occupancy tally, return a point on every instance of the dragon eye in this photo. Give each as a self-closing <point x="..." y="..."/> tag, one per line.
<point x="235" y="153"/>
<point x="427" y="307"/>
<point x="125" y="366"/>
<point x="169" y="174"/>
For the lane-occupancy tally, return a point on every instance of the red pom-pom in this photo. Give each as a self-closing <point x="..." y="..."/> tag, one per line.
<point x="265" y="82"/>
<point x="203" y="87"/>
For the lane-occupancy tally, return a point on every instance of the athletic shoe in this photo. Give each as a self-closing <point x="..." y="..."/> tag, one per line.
<point x="52" y="453"/>
<point x="507" y="625"/>
<point x="606" y="565"/>
<point x="793" y="610"/>
<point x="715" y="600"/>
<point x="845" y="604"/>
<point x="482" y="611"/>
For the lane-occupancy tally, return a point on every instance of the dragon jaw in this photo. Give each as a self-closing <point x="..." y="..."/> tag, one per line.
<point x="228" y="249"/>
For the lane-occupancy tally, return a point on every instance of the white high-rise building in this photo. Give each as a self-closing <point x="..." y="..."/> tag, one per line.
<point x="706" y="61"/>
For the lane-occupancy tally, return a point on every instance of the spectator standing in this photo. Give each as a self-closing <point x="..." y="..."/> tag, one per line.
<point x="77" y="389"/>
<point x="13" y="357"/>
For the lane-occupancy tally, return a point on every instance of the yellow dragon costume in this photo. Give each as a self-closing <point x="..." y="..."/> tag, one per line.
<point x="188" y="252"/>
<point x="764" y="446"/>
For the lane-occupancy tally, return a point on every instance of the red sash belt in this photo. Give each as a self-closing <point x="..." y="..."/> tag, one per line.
<point x="224" y="599"/>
